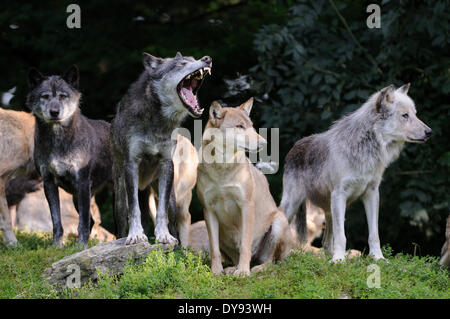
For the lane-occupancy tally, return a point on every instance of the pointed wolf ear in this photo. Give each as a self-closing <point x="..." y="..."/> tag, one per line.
<point x="178" y="55"/>
<point x="216" y="112"/>
<point x="72" y="76"/>
<point x="34" y="78"/>
<point x="404" y="88"/>
<point x="150" y="62"/>
<point x="385" y="97"/>
<point x="247" y="106"/>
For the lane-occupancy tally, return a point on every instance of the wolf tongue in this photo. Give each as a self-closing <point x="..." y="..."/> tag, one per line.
<point x="186" y="90"/>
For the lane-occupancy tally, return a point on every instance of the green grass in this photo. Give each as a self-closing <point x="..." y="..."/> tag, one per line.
<point x="181" y="274"/>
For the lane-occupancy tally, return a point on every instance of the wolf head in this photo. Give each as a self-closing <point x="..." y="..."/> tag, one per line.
<point x="53" y="98"/>
<point x="177" y="81"/>
<point x="398" y="112"/>
<point x="235" y="127"/>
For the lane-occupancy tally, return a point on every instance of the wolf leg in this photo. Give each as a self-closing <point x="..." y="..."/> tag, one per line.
<point x="212" y="224"/>
<point x="327" y="240"/>
<point x="52" y="196"/>
<point x="184" y="219"/>
<point x="245" y="248"/>
<point x="136" y="232"/>
<point x="338" y="202"/>
<point x="83" y="200"/>
<point x="165" y="186"/>
<point x="120" y="202"/>
<point x="371" y="200"/>
<point x="143" y="196"/>
<point x="9" y="238"/>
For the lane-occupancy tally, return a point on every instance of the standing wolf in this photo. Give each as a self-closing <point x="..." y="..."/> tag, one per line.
<point x="154" y="106"/>
<point x="334" y="168"/>
<point x="71" y="151"/>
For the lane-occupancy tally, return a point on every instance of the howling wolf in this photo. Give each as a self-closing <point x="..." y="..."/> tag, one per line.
<point x="142" y="144"/>
<point x="334" y="168"/>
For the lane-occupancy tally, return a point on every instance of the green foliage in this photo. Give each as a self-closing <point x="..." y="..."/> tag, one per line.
<point x="182" y="274"/>
<point x="324" y="61"/>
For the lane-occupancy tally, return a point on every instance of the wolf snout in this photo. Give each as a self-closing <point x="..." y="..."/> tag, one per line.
<point x="428" y="132"/>
<point x="54" y="110"/>
<point x="262" y="142"/>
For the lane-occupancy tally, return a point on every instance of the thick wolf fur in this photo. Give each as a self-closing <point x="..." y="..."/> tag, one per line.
<point x="243" y="221"/>
<point x="16" y="159"/>
<point x="185" y="163"/>
<point x="142" y="144"/>
<point x="334" y="168"/>
<point x="71" y="151"/>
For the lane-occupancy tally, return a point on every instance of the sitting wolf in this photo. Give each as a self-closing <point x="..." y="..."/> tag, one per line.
<point x="334" y="168"/>
<point x="71" y="151"/>
<point x="141" y="140"/>
<point x="244" y="224"/>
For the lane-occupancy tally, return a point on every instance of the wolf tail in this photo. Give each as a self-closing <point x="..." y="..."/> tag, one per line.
<point x="300" y="224"/>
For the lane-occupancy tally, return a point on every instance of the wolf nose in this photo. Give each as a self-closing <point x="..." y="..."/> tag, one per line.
<point x="54" y="113"/>
<point x="207" y="59"/>
<point x="428" y="132"/>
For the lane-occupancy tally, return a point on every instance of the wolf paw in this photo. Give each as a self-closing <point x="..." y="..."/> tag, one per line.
<point x="337" y="259"/>
<point x="136" y="239"/>
<point x="11" y="244"/>
<point x="58" y="243"/>
<point x="166" y="238"/>
<point x="236" y="271"/>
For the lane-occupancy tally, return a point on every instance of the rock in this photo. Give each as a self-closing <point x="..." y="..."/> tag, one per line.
<point x="109" y="257"/>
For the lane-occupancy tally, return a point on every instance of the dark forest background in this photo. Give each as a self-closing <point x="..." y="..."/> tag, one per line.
<point x="306" y="62"/>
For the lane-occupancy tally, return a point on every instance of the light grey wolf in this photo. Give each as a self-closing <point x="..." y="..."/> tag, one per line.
<point x="445" y="252"/>
<point x="16" y="159"/>
<point x="142" y="144"/>
<point x="71" y="151"/>
<point x="243" y="221"/>
<point x="334" y="168"/>
<point x="185" y="163"/>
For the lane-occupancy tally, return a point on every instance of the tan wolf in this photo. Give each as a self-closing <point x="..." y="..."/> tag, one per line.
<point x="185" y="163"/>
<point x="16" y="159"/>
<point x="243" y="221"/>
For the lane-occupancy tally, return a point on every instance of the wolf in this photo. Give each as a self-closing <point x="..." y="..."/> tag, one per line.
<point x="243" y="221"/>
<point x="16" y="159"/>
<point x="445" y="251"/>
<point x="71" y="151"/>
<point x="141" y="140"/>
<point x="334" y="168"/>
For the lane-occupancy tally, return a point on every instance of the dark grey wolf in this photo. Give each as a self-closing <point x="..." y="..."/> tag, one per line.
<point x="16" y="159"/>
<point x="71" y="151"/>
<point x="334" y="168"/>
<point x="142" y="142"/>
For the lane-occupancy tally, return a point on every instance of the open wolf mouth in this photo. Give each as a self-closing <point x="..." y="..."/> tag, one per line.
<point x="188" y="87"/>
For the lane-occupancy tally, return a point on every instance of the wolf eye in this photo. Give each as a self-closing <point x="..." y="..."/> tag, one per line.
<point x="62" y="96"/>
<point x="406" y="115"/>
<point x="45" y="96"/>
<point x="240" y="126"/>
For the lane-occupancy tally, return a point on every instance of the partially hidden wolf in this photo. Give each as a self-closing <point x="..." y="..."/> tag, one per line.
<point x="445" y="251"/>
<point x="16" y="159"/>
<point x="244" y="224"/>
<point x="71" y="151"/>
<point x="142" y="143"/>
<point x="185" y="163"/>
<point x="334" y="168"/>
